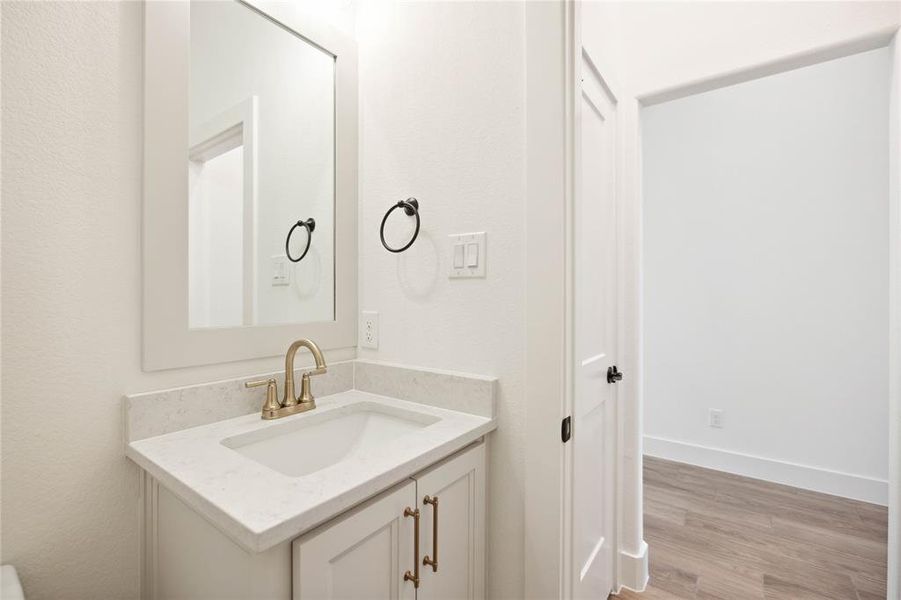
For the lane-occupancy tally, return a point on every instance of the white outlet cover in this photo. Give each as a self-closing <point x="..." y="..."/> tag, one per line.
<point x="715" y="418"/>
<point x="369" y="329"/>
<point x="462" y="247"/>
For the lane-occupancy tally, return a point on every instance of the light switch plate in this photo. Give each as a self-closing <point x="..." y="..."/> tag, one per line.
<point x="470" y="246"/>
<point x="369" y="329"/>
<point x="281" y="273"/>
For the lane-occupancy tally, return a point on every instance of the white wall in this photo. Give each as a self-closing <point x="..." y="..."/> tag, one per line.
<point x="442" y="119"/>
<point x="71" y="288"/>
<point x="766" y="273"/>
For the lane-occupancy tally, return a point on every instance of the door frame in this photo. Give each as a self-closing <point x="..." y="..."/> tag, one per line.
<point x="547" y="186"/>
<point x="549" y="43"/>
<point x="879" y="39"/>
<point x="894" y="522"/>
<point x="553" y="57"/>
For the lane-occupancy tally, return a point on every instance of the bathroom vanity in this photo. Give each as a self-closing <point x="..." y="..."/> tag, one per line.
<point x="368" y="496"/>
<point x="375" y="487"/>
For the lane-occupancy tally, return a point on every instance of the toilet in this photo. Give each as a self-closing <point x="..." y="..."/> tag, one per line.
<point x="10" y="588"/>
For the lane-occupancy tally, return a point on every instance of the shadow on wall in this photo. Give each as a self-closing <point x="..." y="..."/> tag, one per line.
<point x="418" y="268"/>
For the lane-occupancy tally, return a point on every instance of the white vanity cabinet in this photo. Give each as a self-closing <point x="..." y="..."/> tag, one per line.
<point x="362" y="553"/>
<point x="458" y="484"/>
<point x="366" y="553"/>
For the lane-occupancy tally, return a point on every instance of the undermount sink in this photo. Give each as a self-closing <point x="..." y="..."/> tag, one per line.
<point x="312" y="442"/>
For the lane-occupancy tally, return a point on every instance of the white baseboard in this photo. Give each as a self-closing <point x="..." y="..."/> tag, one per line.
<point x="835" y="483"/>
<point x="633" y="569"/>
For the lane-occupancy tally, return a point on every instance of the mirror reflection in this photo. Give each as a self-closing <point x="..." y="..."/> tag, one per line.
<point x="261" y="162"/>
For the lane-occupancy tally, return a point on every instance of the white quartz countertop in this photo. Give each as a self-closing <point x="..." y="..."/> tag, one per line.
<point x="259" y="507"/>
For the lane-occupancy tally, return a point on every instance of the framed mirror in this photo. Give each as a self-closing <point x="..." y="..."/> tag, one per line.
<point x="250" y="178"/>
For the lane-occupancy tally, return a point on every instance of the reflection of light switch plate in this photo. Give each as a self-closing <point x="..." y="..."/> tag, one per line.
<point x="281" y="272"/>
<point x="468" y="255"/>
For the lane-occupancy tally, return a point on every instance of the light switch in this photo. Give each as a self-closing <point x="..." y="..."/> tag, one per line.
<point x="458" y="256"/>
<point x="468" y="255"/>
<point x="472" y="255"/>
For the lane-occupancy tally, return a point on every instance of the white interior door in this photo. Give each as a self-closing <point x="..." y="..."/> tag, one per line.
<point x="593" y="338"/>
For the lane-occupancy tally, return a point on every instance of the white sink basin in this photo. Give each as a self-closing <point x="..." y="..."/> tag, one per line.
<point x="312" y="442"/>
<point x="266" y="482"/>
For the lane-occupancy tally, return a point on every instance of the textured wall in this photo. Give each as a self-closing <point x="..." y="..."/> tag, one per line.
<point x="442" y="119"/>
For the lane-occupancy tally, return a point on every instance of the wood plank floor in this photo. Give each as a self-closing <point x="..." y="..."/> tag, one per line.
<point x="716" y="535"/>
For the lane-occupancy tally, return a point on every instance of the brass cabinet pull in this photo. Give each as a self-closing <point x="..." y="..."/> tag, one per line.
<point x="414" y="576"/>
<point x="433" y="500"/>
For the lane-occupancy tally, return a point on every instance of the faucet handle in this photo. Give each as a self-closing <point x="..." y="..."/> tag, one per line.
<point x="306" y="394"/>
<point x="259" y="382"/>
<point x="271" y="404"/>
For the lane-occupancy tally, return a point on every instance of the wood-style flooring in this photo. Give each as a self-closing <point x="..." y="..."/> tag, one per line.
<point x="716" y="535"/>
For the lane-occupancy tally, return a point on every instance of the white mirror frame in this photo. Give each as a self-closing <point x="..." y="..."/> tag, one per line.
<point x="168" y="341"/>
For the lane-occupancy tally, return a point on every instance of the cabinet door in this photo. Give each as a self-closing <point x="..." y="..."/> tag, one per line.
<point x="363" y="554"/>
<point x="458" y="484"/>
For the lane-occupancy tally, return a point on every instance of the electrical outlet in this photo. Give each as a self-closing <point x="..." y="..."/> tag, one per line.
<point x="369" y="329"/>
<point x="715" y="418"/>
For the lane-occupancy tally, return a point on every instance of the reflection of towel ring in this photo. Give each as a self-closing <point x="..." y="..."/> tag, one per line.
<point x="310" y="226"/>
<point x="411" y="207"/>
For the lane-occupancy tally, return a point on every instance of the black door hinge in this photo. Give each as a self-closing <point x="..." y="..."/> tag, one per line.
<point x="566" y="429"/>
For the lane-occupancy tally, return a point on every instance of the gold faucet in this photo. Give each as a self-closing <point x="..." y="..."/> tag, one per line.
<point x="273" y="409"/>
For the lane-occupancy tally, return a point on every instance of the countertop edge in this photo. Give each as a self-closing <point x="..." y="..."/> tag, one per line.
<point x="256" y="542"/>
<point x="341" y="503"/>
<point x="222" y="521"/>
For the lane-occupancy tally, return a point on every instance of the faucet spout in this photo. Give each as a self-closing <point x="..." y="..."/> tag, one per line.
<point x="305" y="396"/>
